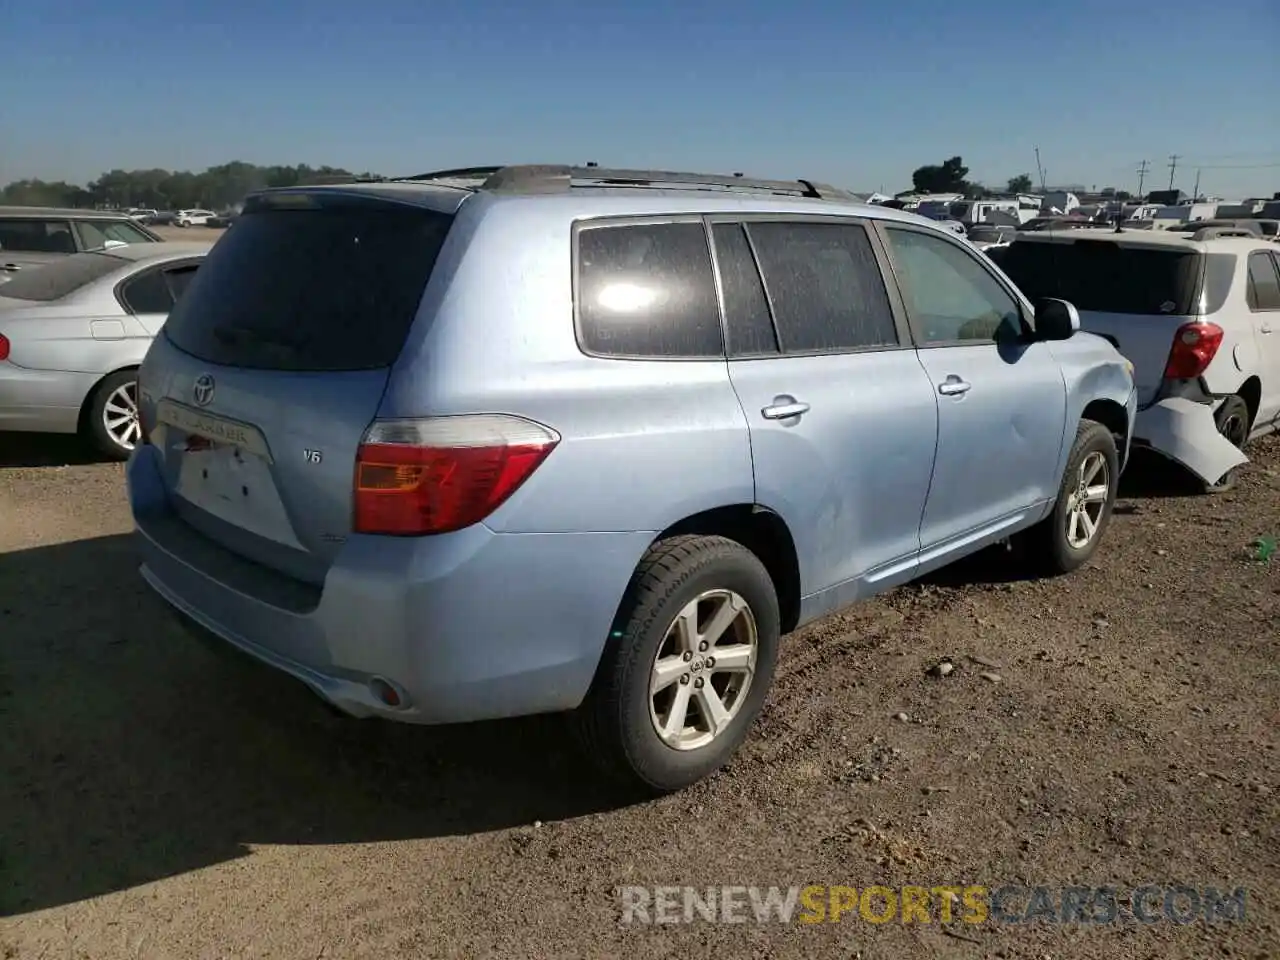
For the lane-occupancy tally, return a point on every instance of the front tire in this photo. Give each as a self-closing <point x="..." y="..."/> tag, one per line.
<point x="1232" y="419"/>
<point x="112" y="423"/>
<point x="687" y="666"/>
<point x="1066" y="539"/>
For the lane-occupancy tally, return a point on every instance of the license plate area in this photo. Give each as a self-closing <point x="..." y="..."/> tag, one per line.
<point x="224" y="467"/>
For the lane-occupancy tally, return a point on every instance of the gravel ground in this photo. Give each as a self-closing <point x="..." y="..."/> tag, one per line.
<point x="157" y="802"/>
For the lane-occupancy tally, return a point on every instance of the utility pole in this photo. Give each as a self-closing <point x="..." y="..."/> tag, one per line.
<point x="1142" y="178"/>
<point x="1195" y="191"/>
<point x="1173" y="167"/>
<point x="1040" y="170"/>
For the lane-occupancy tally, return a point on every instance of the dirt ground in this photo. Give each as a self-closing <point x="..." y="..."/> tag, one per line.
<point x="191" y="234"/>
<point x="157" y="802"/>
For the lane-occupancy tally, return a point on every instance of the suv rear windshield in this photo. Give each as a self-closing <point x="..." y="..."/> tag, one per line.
<point x="325" y="284"/>
<point x="1106" y="277"/>
<point x="61" y="278"/>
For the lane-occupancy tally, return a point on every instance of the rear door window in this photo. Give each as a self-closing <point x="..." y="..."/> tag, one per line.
<point x="646" y="290"/>
<point x="748" y="323"/>
<point x="1264" y="283"/>
<point x="21" y="235"/>
<point x="329" y="283"/>
<point x="1107" y="277"/>
<point x="824" y="286"/>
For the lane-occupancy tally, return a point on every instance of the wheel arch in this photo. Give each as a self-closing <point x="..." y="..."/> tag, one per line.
<point x="82" y="420"/>
<point x="764" y="533"/>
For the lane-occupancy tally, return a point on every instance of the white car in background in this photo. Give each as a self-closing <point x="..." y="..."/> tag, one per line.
<point x="1198" y="315"/>
<point x="193" y="218"/>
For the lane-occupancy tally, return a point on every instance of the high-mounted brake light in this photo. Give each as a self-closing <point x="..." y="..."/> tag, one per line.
<point x="4" y="347"/>
<point x="1194" y="347"/>
<point x="435" y="475"/>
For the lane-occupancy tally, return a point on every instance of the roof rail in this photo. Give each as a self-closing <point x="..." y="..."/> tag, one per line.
<point x="1213" y="233"/>
<point x="545" y="178"/>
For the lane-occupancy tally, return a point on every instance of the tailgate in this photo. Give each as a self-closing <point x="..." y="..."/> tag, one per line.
<point x="273" y="364"/>
<point x="1144" y="341"/>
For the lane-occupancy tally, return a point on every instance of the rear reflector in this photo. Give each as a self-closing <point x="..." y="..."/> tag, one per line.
<point x="435" y="475"/>
<point x="1194" y="347"/>
<point x="4" y="347"/>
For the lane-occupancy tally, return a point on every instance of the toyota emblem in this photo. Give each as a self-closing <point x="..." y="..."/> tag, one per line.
<point x="202" y="392"/>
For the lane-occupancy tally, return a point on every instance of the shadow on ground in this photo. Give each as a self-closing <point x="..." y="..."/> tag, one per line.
<point x="44" y="450"/>
<point x="131" y="753"/>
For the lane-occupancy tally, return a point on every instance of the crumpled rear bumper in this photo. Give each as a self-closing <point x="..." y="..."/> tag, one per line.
<point x="1184" y="431"/>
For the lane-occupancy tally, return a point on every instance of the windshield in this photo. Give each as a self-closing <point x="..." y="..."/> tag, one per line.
<point x="1107" y="277"/>
<point x="960" y="210"/>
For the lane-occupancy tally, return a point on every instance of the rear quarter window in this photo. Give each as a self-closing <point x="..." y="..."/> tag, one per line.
<point x="331" y="284"/>
<point x="647" y="290"/>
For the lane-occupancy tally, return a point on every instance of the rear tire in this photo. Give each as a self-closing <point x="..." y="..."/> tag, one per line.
<point x="111" y="420"/>
<point x="1057" y="544"/>
<point x="1232" y="419"/>
<point x="654" y="673"/>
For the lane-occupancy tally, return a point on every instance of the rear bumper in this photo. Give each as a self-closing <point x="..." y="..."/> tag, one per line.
<point x="1185" y="432"/>
<point x="42" y="400"/>
<point x="467" y="626"/>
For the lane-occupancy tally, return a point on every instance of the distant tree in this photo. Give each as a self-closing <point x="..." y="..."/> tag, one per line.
<point x="946" y="177"/>
<point x="975" y="191"/>
<point x="1020" y="184"/>
<point x="1123" y="195"/>
<point x="218" y="187"/>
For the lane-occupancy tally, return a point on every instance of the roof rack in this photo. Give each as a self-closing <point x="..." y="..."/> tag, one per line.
<point x="544" y="178"/>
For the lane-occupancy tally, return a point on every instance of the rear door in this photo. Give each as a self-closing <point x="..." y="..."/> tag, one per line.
<point x="1001" y="400"/>
<point x="842" y="418"/>
<point x="1264" y="311"/>
<point x="273" y="363"/>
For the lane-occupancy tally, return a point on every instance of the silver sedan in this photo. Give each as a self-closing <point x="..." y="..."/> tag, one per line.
<point x="73" y="333"/>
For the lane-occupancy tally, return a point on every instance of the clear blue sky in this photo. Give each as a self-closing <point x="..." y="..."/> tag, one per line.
<point x="858" y="92"/>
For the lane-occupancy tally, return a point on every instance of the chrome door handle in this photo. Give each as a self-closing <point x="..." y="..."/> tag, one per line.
<point x="783" y="408"/>
<point x="1265" y="328"/>
<point x="953" y="386"/>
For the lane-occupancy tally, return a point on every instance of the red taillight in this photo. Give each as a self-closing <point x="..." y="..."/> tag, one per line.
<point x="445" y="473"/>
<point x="1194" y="346"/>
<point x="4" y="347"/>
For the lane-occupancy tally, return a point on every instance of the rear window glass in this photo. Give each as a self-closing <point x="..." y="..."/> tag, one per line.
<point x="333" y="285"/>
<point x="1106" y="277"/>
<point x="61" y="278"/>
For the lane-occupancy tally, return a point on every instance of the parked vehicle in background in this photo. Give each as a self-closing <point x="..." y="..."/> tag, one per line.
<point x="1199" y="317"/>
<point x="221" y="220"/>
<point x="985" y="235"/>
<point x="142" y="215"/>
<point x="193" y="218"/>
<point x="34" y="236"/>
<point x="1249" y="226"/>
<point x="669" y="416"/>
<point x="73" y="333"/>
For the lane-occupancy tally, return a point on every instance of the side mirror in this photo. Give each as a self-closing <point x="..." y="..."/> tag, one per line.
<point x="1056" y="320"/>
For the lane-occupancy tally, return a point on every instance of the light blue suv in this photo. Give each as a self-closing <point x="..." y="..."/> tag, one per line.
<point x="493" y="442"/>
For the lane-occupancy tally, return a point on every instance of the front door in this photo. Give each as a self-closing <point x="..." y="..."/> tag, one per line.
<point x="842" y="418"/>
<point x="1001" y="399"/>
